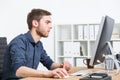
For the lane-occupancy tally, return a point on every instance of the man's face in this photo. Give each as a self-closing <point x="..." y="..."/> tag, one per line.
<point x="44" y="26"/>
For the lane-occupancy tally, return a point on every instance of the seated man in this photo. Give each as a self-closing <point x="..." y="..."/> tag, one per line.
<point x="25" y="51"/>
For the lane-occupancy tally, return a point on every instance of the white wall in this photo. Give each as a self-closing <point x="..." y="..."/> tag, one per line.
<point x="13" y="19"/>
<point x="80" y="11"/>
<point x="13" y="15"/>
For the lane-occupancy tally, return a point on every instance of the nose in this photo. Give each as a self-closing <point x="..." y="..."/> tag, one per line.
<point x="50" y="26"/>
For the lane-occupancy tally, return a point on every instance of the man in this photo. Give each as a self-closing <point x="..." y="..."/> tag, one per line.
<point x="26" y="51"/>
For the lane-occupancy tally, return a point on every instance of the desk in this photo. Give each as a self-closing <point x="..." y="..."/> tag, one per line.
<point x="115" y="77"/>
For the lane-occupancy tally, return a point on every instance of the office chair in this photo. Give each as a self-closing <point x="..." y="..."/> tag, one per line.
<point x="3" y="45"/>
<point x="118" y="57"/>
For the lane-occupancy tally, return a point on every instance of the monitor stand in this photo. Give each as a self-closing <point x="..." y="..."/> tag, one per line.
<point x="115" y="60"/>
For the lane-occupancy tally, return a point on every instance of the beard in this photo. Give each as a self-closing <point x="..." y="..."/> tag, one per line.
<point x="40" y="33"/>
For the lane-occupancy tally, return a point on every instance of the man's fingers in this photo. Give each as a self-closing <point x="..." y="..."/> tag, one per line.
<point x="60" y="73"/>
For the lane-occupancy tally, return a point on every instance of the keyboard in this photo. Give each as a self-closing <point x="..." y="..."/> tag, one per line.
<point x="81" y="72"/>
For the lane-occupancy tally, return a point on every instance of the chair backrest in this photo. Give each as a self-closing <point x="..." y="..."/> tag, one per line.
<point x="118" y="57"/>
<point x="3" y="45"/>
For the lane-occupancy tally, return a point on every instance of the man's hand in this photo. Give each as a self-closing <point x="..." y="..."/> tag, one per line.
<point x="56" y="73"/>
<point x="66" y="65"/>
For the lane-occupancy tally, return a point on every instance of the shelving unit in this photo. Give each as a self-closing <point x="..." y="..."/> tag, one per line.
<point x="75" y="42"/>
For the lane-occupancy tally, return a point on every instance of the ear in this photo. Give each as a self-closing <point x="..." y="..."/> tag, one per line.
<point x="35" y="23"/>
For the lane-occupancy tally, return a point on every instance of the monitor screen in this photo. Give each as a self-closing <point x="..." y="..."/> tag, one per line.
<point x="104" y="36"/>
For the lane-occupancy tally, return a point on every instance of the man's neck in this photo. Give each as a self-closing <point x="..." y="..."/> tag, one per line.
<point x="35" y="36"/>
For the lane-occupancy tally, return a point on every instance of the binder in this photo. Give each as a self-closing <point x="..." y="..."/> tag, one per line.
<point x="96" y="30"/>
<point x="92" y="34"/>
<point x="86" y="32"/>
<point x="80" y="32"/>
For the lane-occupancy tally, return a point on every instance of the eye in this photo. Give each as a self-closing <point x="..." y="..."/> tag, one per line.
<point x="47" y="22"/>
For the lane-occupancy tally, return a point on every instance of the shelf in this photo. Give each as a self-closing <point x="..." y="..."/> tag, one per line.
<point x="73" y="40"/>
<point x="73" y="56"/>
<point x="115" y="39"/>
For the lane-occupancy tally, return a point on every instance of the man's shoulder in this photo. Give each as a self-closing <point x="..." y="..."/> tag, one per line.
<point x="19" y="39"/>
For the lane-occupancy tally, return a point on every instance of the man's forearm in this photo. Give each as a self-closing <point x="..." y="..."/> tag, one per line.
<point x="66" y="65"/>
<point x="55" y="65"/>
<point x="29" y="72"/>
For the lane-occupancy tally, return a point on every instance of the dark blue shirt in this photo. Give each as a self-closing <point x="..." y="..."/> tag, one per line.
<point x="23" y="51"/>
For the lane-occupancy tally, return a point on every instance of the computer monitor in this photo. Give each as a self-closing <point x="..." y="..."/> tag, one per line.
<point x="104" y="36"/>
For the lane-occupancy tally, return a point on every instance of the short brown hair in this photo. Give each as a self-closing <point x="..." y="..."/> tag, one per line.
<point x="36" y="14"/>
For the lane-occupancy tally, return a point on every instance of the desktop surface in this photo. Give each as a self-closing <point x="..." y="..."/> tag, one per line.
<point x="74" y="69"/>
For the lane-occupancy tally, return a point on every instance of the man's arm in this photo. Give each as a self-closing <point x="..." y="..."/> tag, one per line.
<point x="29" y="72"/>
<point x="66" y="65"/>
<point x="55" y="65"/>
<point x="24" y="71"/>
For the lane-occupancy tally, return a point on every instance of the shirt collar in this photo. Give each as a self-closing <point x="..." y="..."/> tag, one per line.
<point x="29" y="37"/>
